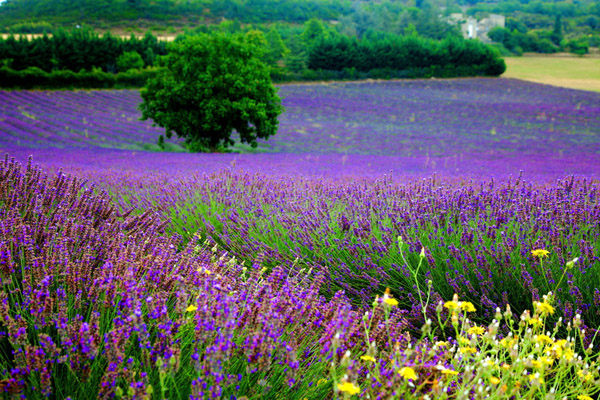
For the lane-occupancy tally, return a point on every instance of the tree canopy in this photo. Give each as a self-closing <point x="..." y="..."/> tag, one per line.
<point x="211" y="85"/>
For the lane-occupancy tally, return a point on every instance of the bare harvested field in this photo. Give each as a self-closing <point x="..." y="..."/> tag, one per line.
<point x="567" y="71"/>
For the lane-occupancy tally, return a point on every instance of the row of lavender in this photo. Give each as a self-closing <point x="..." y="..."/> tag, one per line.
<point x="478" y="232"/>
<point x="97" y="302"/>
<point x="39" y="119"/>
<point x="100" y="304"/>
<point x="407" y="118"/>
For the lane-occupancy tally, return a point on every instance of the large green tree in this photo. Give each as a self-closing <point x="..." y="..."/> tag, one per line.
<point x="211" y="85"/>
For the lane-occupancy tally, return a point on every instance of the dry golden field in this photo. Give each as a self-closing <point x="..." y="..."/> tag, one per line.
<point x="567" y="71"/>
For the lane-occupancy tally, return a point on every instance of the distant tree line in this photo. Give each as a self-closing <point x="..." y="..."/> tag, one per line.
<point x="528" y="26"/>
<point x="297" y="11"/>
<point x="313" y="51"/>
<point x="517" y="39"/>
<point x="566" y="8"/>
<point x="542" y="26"/>
<point x="449" y="57"/>
<point x="80" y="49"/>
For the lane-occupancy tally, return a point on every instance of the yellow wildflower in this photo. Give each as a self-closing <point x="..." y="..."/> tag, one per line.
<point x="568" y="354"/>
<point x="462" y="305"/>
<point x="534" y="321"/>
<point x="544" y="307"/>
<point x="466" y="350"/>
<point x="408" y="373"/>
<point x="506" y="366"/>
<point x="348" y="387"/>
<point x="547" y="360"/>
<point x="586" y="376"/>
<point x="476" y="330"/>
<point x="560" y="343"/>
<point x="544" y="339"/>
<point x="452" y="305"/>
<point x="447" y="371"/>
<point x="536" y="364"/>
<point x="507" y="342"/>
<point x="367" y="358"/>
<point x="584" y="397"/>
<point x="463" y="341"/>
<point x="558" y="347"/>
<point x="536" y="379"/>
<point x="390" y="301"/>
<point x="494" y="380"/>
<point x="441" y="344"/>
<point x="191" y="308"/>
<point x="467" y="306"/>
<point x="540" y="253"/>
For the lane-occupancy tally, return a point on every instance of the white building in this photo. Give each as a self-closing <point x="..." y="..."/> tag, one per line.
<point x="471" y="28"/>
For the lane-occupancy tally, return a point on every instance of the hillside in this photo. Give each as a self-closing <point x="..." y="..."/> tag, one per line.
<point x="578" y="18"/>
<point x="167" y="12"/>
<point x="526" y="26"/>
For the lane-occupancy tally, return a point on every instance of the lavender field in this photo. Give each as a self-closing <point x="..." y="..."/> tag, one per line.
<point x="393" y="240"/>
<point x="412" y="118"/>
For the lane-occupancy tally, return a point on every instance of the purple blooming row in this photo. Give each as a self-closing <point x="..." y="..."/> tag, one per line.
<point x="478" y="232"/>
<point x="99" y="303"/>
<point x="99" y="299"/>
<point x="448" y="119"/>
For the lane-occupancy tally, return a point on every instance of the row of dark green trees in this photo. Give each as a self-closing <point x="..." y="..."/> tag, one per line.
<point x="420" y="56"/>
<point x="80" y="49"/>
<point x="83" y="58"/>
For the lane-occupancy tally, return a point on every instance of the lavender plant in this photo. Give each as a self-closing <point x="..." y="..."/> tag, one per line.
<point x="100" y="304"/>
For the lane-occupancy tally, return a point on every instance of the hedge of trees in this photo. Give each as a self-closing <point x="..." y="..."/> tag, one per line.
<point x="315" y="51"/>
<point x="78" y="49"/>
<point x="400" y="53"/>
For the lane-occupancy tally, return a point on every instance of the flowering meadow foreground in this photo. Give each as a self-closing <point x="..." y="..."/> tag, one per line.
<point x="309" y="275"/>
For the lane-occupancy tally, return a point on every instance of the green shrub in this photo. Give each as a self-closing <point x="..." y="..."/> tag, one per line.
<point x="130" y="60"/>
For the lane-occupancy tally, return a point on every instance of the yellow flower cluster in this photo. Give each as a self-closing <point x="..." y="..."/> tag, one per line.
<point x="476" y="330"/>
<point x="543" y="307"/>
<point x="525" y="361"/>
<point x="348" y="387"/>
<point x="388" y="299"/>
<point x="460" y="305"/>
<point x="508" y="342"/>
<point x="408" y="373"/>
<point x="560" y="349"/>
